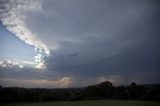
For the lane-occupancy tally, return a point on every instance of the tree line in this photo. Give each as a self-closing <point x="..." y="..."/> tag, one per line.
<point x="104" y="90"/>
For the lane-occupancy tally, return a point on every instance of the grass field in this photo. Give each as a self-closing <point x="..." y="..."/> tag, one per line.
<point x="88" y="103"/>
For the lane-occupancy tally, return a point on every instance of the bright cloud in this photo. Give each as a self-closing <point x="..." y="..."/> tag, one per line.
<point x="16" y="63"/>
<point x="13" y="16"/>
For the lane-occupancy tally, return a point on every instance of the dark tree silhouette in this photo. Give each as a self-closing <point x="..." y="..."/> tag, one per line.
<point x="104" y="90"/>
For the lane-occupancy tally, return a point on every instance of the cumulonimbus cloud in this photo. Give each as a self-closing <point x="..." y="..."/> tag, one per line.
<point x="13" y="16"/>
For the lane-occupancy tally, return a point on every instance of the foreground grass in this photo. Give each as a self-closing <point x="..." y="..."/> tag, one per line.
<point x="88" y="103"/>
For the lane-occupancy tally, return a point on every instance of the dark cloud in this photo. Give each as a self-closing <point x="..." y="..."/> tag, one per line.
<point x="25" y="73"/>
<point x="132" y="51"/>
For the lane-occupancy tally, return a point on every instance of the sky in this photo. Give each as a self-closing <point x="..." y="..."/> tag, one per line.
<point x="76" y="43"/>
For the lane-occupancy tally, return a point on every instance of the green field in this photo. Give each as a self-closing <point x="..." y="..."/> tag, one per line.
<point x="89" y="103"/>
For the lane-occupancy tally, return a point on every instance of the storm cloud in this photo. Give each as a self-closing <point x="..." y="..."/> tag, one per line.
<point x="91" y="40"/>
